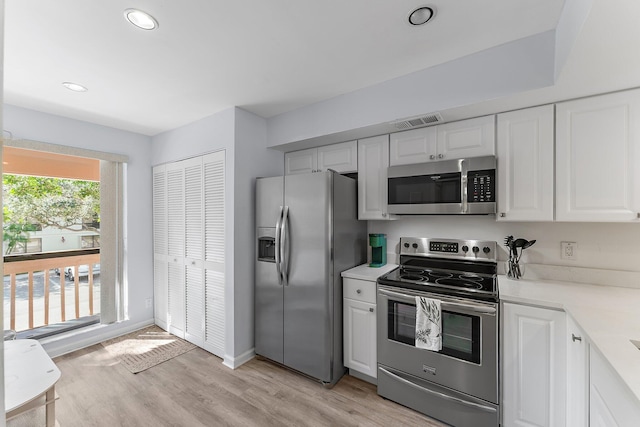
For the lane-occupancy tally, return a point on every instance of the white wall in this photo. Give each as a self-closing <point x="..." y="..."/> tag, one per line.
<point x="504" y="70"/>
<point x="252" y="160"/>
<point x="37" y="126"/>
<point x="612" y="246"/>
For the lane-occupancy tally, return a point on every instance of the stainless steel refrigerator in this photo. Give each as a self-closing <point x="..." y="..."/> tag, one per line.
<point x="307" y="234"/>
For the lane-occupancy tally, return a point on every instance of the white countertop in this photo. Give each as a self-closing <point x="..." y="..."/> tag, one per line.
<point x="364" y="272"/>
<point x="608" y="315"/>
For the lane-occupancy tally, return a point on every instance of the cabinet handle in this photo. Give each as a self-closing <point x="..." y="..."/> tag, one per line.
<point x="441" y="156"/>
<point x="432" y="157"/>
<point x="384" y="214"/>
<point x="358" y="291"/>
<point x="575" y="338"/>
<point x="371" y="309"/>
<point x="193" y="263"/>
<point x="502" y="214"/>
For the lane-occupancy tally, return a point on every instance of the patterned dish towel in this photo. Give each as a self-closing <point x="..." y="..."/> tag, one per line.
<point x="428" y="324"/>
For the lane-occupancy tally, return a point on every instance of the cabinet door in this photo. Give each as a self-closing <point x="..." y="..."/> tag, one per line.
<point x="175" y="248"/>
<point x="467" y="138"/>
<point x="373" y="161"/>
<point x="193" y="248"/>
<point x="534" y="366"/>
<point x="303" y="161"/>
<point x="342" y="158"/>
<point x="413" y="146"/>
<point x="577" y="375"/>
<point x="598" y="158"/>
<point x="611" y="402"/>
<point x="160" y="266"/>
<point x="214" y="252"/>
<point x="360" y="336"/>
<point x="525" y="165"/>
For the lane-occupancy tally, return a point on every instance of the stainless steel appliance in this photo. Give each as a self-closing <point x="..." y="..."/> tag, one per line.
<point x="307" y="233"/>
<point x="459" y="384"/>
<point x="462" y="186"/>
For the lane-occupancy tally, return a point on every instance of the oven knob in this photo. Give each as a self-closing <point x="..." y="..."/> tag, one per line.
<point x="465" y="249"/>
<point x="486" y="249"/>
<point x="475" y="249"/>
<point x="415" y="246"/>
<point x="406" y="245"/>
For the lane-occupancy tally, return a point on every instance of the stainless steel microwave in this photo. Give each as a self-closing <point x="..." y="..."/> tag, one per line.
<point x="449" y="187"/>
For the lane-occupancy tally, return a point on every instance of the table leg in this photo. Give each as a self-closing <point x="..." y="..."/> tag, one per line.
<point x="51" y="406"/>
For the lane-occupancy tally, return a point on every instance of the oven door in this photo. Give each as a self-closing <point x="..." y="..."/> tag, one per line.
<point x="468" y="361"/>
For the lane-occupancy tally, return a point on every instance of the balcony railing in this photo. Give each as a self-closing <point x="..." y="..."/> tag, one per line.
<point x="44" y="289"/>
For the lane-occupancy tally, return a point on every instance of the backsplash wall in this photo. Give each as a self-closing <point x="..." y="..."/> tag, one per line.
<point x="610" y="246"/>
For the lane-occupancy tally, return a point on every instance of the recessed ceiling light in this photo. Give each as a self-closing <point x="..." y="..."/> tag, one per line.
<point x="74" y="87"/>
<point x="421" y="15"/>
<point x="141" y="19"/>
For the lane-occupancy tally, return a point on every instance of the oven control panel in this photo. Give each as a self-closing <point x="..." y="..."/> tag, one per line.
<point x="477" y="250"/>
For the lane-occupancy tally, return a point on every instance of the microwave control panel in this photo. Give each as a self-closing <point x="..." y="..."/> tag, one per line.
<point x="481" y="186"/>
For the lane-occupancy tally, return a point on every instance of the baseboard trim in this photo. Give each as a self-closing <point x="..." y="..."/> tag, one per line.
<point x="235" y="362"/>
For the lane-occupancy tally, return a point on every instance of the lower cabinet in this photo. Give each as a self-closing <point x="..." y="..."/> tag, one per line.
<point x="359" y="322"/>
<point x="533" y="366"/>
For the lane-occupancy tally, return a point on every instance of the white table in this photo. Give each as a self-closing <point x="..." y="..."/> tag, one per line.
<point x="29" y="374"/>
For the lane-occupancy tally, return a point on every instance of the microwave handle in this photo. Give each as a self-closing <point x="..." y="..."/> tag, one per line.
<point x="463" y="186"/>
<point x="476" y="308"/>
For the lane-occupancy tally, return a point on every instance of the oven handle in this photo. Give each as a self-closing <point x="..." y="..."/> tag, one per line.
<point x="436" y="393"/>
<point x="477" y="308"/>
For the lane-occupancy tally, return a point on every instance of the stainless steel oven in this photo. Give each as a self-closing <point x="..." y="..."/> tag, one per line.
<point x="458" y="384"/>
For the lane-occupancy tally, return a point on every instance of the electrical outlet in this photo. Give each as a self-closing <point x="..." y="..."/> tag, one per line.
<point x="148" y="302"/>
<point x="569" y="250"/>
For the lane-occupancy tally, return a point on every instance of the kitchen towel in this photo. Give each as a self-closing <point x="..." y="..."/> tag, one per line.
<point x="428" y="324"/>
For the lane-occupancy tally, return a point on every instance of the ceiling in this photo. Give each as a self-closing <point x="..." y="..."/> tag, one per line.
<point x="267" y="57"/>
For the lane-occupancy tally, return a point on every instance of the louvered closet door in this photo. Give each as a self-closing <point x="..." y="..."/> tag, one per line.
<point x="214" y="252"/>
<point x="194" y="250"/>
<point x="160" y="266"/>
<point x="175" y="247"/>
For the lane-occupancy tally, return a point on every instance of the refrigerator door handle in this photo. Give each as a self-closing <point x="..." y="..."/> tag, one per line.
<point x="284" y="246"/>
<point x="279" y="246"/>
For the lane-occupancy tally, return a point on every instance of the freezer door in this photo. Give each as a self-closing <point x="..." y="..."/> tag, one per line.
<point x="268" y="290"/>
<point x="308" y="309"/>
<point x="269" y="196"/>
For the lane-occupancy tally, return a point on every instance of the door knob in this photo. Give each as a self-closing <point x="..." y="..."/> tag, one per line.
<point x="358" y="291"/>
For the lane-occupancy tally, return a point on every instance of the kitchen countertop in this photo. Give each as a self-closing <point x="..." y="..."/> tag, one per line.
<point x="608" y="315"/>
<point x="364" y="272"/>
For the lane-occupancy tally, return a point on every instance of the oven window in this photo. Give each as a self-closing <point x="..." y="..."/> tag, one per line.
<point x="425" y="189"/>
<point x="460" y="332"/>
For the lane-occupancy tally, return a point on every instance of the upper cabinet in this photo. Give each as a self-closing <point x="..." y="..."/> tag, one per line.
<point x="525" y="144"/>
<point x="342" y="158"/>
<point x="598" y="158"/>
<point x="456" y="140"/>
<point x="373" y="161"/>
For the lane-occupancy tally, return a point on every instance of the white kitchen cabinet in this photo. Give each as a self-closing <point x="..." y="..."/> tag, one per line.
<point x="455" y="140"/>
<point x="577" y="375"/>
<point x="611" y="402"/>
<point x="467" y="138"/>
<point x="342" y="158"/>
<point x="189" y="239"/>
<point x="525" y="147"/>
<point x="534" y="366"/>
<point x="598" y="158"/>
<point x="359" y="323"/>
<point x="413" y="146"/>
<point x="373" y="162"/>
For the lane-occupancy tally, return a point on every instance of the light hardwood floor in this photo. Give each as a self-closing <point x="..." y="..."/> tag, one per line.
<point x="195" y="389"/>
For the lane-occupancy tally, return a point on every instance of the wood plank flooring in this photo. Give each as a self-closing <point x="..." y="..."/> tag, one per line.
<point x="195" y="389"/>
